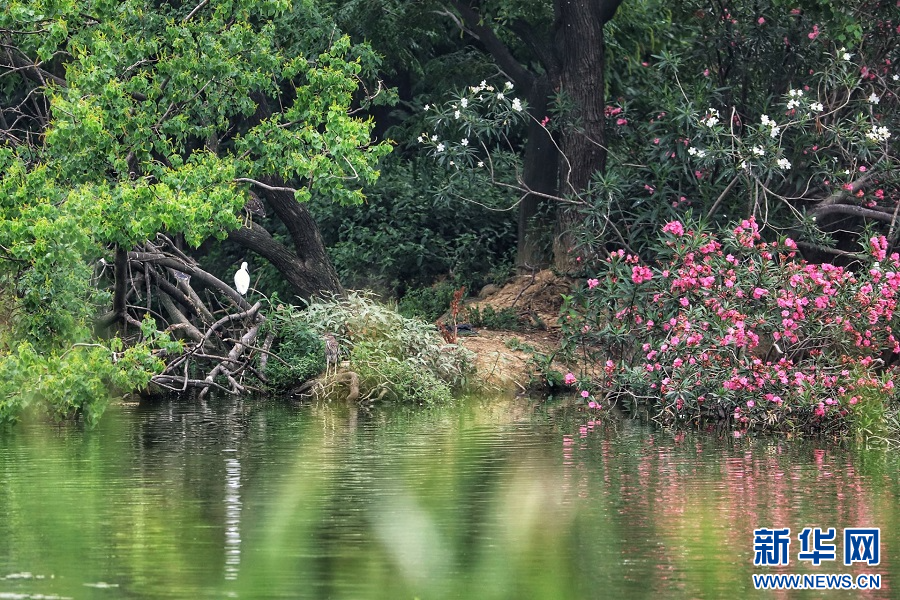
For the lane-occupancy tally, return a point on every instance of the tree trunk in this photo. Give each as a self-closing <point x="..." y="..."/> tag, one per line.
<point x="583" y="142"/>
<point x="539" y="174"/>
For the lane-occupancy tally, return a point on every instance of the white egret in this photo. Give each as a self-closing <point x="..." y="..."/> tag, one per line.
<point x="242" y="280"/>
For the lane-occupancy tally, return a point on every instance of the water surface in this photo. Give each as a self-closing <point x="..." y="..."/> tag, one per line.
<point x="490" y="498"/>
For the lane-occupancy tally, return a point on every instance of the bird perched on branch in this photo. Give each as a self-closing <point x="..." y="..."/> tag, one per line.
<point x="242" y="280"/>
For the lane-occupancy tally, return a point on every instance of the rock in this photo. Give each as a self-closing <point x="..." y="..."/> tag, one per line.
<point x="488" y="290"/>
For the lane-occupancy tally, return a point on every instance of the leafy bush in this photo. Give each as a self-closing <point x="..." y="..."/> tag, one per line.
<point x="394" y="356"/>
<point x="78" y="382"/>
<point x="300" y="349"/>
<point x="427" y="303"/>
<point x="386" y="377"/>
<point x="732" y="326"/>
<point x="490" y="318"/>
<point x="409" y="233"/>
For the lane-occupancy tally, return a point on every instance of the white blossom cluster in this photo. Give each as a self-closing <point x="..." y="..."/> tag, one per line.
<point x="711" y="119"/>
<point x="879" y="134"/>
<point x="774" y="129"/>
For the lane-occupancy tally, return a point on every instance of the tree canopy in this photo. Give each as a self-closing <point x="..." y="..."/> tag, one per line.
<point x="130" y="126"/>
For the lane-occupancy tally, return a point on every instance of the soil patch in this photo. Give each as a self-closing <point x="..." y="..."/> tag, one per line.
<point x="500" y="361"/>
<point x="500" y="367"/>
<point x="535" y="298"/>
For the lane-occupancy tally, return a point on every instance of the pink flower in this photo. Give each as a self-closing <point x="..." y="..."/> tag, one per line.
<point x="592" y="283"/>
<point x="674" y="227"/>
<point x="641" y="274"/>
<point x="750" y="403"/>
<point x="862" y="169"/>
<point x="814" y="33"/>
<point x="621" y="121"/>
<point x="570" y="378"/>
<point x="761" y="20"/>
<point x="585" y="394"/>
<point x="759" y="293"/>
<point x="545" y="121"/>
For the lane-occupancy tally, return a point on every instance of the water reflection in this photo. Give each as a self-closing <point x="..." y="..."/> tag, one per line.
<point x="487" y="499"/>
<point x="232" y="517"/>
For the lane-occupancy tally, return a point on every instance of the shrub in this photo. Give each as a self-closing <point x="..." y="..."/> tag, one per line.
<point x="506" y="318"/>
<point x="427" y="303"/>
<point x="406" y="357"/>
<point x="732" y="326"/>
<point x="300" y="352"/>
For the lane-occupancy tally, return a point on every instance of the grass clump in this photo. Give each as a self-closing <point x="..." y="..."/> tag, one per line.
<point x="395" y="357"/>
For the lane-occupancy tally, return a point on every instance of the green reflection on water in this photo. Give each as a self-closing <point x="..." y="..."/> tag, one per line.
<point x="486" y="499"/>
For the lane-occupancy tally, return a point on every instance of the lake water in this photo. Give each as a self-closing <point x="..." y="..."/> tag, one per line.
<point x="490" y="498"/>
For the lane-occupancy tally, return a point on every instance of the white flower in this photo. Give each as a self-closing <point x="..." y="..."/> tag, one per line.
<point x="508" y="85"/>
<point x="745" y="165"/>
<point x="874" y="99"/>
<point x="895" y="77"/>
<point x="816" y="106"/>
<point x="475" y="89"/>
<point x="795" y="93"/>
<point x="426" y="107"/>
<point x="500" y="96"/>
<point x="784" y="164"/>
<point x="698" y="152"/>
<point x="456" y="114"/>
<point x="710" y="121"/>
<point x="480" y="163"/>
<point x="792" y="104"/>
<point x="440" y="147"/>
<point x="434" y="138"/>
<point x="879" y="134"/>
<point x="464" y="102"/>
<point x="464" y="141"/>
<point x="517" y="105"/>
<point x="483" y="84"/>
<point x="847" y="56"/>
<point x="775" y="131"/>
<point x="765" y="120"/>
<point x="758" y="151"/>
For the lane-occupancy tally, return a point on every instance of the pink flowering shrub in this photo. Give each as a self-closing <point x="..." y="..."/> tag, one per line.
<point x="731" y="326"/>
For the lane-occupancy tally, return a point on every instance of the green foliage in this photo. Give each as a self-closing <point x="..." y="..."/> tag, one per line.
<point x="299" y="352"/>
<point x="869" y="416"/>
<point x="78" y="381"/>
<point x="427" y="303"/>
<point x="690" y="61"/>
<point x="399" y="358"/>
<point x="155" y="118"/>
<point x="488" y="317"/>
<point x="383" y="376"/>
<point x="409" y="232"/>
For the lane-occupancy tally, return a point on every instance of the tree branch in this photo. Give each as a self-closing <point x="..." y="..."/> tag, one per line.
<point x="473" y="23"/>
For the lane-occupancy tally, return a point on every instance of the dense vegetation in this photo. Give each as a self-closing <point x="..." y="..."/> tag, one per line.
<point x="149" y="146"/>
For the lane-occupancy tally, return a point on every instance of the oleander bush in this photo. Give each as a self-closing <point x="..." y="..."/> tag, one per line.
<point x="731" y="326"/>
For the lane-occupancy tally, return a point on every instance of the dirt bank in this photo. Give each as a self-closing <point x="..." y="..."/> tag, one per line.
<point x="501" y="358"/>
